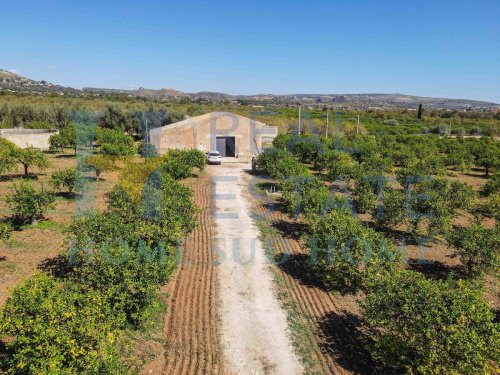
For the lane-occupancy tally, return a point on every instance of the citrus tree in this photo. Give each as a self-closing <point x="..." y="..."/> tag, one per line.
<point x="422" y="326"/>
<point x="28" y="203"/>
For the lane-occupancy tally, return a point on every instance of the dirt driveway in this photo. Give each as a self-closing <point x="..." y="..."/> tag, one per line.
<point x="254" y="333"/>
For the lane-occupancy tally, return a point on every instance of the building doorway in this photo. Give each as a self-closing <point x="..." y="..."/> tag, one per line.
<point x="226" y="146"/>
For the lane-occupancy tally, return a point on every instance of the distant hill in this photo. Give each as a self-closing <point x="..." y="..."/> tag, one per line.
<point x="10" y="81"/>
<point x="15" y="83"/>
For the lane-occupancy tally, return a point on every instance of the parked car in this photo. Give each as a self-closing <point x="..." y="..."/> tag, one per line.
<point x="213" y="157"/>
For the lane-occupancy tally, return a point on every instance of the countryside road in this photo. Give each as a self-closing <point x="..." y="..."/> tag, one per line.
<point x="254" y="332"/>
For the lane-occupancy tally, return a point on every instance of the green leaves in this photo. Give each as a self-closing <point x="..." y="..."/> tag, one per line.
<point x="68" y="179"/>
<point x="115" y="142"/>
<point x="59" y="327"/>
<point x="422" y="326"/>
<point x="28" y="203"/>
<point x="478" y="248"/>
<point x="344" y="253"/>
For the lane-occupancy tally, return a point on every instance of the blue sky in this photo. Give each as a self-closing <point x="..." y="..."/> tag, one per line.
<point x="430" y="48"/>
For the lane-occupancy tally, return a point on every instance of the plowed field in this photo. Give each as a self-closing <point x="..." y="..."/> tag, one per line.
<point x="324" y="326"/>
<point x="191" y="323"/>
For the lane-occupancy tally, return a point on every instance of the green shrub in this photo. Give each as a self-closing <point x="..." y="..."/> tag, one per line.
<point x="192" y="158"/>
<point x="57" y="142"/>
<point x="176" y="168"/>
<point x="394" y="210"/>
<point x="268" y="159"/>
<point x="129" y="277"/>
<point x="364" y="198"/>
<point x="90" y="231"/>
<point x="28" y="203"/>
<point x="115" y="142"/>
<point x="423" y="326"/>
<point x="147" y="150"/>
<point x="168" y="204"/>
<point x="282" y="141"/>
<point x="478" y="249"/>
<point x="344" y="253"/>
<point x="492" y="186"/>
<point x="304" y="195"/>
<point x="5" y="231"/>
<point x="58" y="327"/>
<point x="68" y="179"/>
<point x="133" y="177"/>
<point x="340" y="165"/>
<point x="39" y="125"/>
<point x="306" y="148"/>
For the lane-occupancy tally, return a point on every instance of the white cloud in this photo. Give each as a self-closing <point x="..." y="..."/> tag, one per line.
<point x="15" y="71"/>
<point x="52" y="67"/>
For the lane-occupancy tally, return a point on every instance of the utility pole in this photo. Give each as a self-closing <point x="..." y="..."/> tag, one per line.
<point x="357" y="126"/>
<point x="300" y="108"/>
<point x="327" y="113"/>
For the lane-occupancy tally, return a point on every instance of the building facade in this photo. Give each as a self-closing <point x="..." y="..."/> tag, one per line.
<point x="230" y="134"/>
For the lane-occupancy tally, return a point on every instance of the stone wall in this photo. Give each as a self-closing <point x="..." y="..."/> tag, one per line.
<point x="38" y="138"/>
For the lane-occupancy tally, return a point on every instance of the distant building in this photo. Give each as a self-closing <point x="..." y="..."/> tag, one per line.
<point x="230" y="134"/>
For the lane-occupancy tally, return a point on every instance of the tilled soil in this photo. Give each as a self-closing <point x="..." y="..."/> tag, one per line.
<point x="326" y="332"/>
<point x="191" y="323"/>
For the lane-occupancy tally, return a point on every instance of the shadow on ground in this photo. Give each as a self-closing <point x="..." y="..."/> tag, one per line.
<point x="342" y="338"/>
<point x="57" y="266"/>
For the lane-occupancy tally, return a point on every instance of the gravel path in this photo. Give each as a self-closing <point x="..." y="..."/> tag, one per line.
<point x="254" y="332"/>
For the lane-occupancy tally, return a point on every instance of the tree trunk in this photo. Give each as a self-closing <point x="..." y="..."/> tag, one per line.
<point x="26" y="174"/>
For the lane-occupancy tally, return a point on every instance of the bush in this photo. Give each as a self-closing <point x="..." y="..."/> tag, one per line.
<point x="344" y="253"/>
<point x="129" y="277"/>
<point x="58" y="327"/>
<point x="5" y="231"/>
<point x="114" y="142"/>
<point x="147" y="150"/>
<point x="192" y="158"/>
<point x="394" y="210"/>
<point x="340" y="165"/>
<point x="492" y="186"/>
<point x="282" y="141"/>
<point x="133" y="177"/>
<point x="28" y="203"/>
<point x="39" y="125"/>
<point x="305" y="194"/>
<point x="168" y="204"/>
<point x="306" y="148"/>
<point x="423" y="326"/>
<point x="176" y="168"/>
<point x="68" y="179"/>
<point x="57" y="142"/>
<point x="478" y="249"/>
<point x="364" y="198"/>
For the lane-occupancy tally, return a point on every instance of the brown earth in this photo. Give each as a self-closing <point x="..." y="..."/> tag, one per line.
<point x="325" y="326"/>
<point x="33" y="247"/>
<point x="191" y="323"/>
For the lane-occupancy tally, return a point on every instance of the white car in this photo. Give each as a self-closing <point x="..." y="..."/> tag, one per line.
<point x="213" y="157"/>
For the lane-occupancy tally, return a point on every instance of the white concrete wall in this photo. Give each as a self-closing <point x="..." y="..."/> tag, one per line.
<point x="38" y="138"/>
